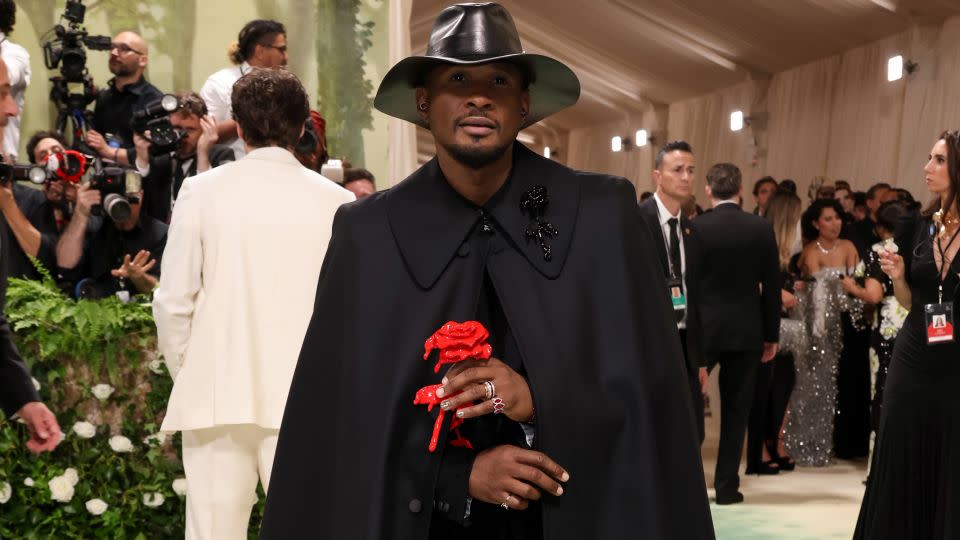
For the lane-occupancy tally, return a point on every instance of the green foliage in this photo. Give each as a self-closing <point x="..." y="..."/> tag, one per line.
<point x="343" y="89"/>
<point x="72" y="346"/>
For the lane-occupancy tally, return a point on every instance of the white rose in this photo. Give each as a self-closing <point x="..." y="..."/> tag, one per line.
<point x="6" y="491"/>
<point x="96" y="506"/>
<point x="72" y="476"/>
<point x="119" y="443"/>
<point x="28" y="481"/>
<point x="156" y="366"/>
<point x="102" y="391"/>
<point x="85" y="430"/>
<point x="158" y="438"/>
<point x="153" y="499"/>
<point x="61" y="489"/>
<point x="180" y="486"/>
<point x="36" y="383"/>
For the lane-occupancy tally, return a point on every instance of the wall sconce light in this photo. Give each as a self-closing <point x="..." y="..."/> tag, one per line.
<point x="736" y="120"/>
<point x="547" y="152"/>
<point x="641" y="138"/>
<point x="896" y="66"/>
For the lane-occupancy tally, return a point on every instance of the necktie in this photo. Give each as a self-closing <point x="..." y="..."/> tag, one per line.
<point x="676" y="268"/>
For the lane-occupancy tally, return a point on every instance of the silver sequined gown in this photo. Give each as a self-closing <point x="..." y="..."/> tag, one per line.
<point x="813" y="403"/>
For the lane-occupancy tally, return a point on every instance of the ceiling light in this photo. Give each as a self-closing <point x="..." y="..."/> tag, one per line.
<point x="736" y="120"/>
<point x="616" y="144"/>
<point x="641" y="137"/>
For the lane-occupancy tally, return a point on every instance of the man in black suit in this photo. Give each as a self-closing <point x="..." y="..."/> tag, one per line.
<point x="197" y="152"/>
<point x="740" y="309"/>
<point x="17" y="393"/>
<point x="677" y="247"/>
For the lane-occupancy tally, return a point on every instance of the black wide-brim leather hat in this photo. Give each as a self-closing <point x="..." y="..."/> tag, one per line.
<point x="470" y="34"/>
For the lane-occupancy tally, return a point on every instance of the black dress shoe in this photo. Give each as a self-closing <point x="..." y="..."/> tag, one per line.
<point x="766" y="467"/>
<point x="730" y="498"/>
<point x="786" y="464"/>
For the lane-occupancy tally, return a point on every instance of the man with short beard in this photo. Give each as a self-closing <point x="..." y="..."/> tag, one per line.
<point x="579" y="425"/>
<point x="128" y="91"/>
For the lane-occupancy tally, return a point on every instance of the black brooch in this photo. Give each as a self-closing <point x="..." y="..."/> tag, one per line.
<point x="534" y="202"/>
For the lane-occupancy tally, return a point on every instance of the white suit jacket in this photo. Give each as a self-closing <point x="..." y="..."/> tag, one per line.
<point x="237" y="287"/>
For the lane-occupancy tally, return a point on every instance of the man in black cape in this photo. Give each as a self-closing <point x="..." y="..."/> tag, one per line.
<point x="582" y="427"/>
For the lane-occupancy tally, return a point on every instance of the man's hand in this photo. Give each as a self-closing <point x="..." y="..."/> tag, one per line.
<point x="704" y="377"/>
<point x="208" y="134"/>
<point x="507" y="474"/>
<point x="469" y="377"/>
<point x="45" y="433"/>
<point x="136" y="268"/>
<point x="769" y="352"/>
<point x="142" y="147"/>
<point x="95" y="141"/>
<point x="87" y="198"/>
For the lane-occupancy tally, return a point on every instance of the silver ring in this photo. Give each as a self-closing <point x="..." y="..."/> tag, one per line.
<point x="498" y="405"/>
<point x="489" y="390"/>
<point x="504" y="504"/>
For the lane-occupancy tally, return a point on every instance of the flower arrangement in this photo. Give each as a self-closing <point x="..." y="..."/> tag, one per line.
<point x="113" y="475"/>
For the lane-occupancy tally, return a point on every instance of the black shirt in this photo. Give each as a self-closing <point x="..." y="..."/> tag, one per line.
<point x="106" y="248"/>
<point x="38" y="211"/>
<point x="114" y="109"/>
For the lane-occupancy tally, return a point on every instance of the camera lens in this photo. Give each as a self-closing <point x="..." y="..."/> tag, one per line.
<point x="117" y="207"/>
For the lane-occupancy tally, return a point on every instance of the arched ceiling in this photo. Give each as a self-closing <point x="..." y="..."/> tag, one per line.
<point x="631" y="53"/>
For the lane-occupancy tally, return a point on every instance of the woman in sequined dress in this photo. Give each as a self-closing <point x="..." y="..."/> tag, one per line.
<point x="913" y="492"/>
<point x="809" y="431"/>
<point x="877" y="290"/>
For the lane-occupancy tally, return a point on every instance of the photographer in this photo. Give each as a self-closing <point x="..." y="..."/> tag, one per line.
<point x="111" y="135"/>
<point x="18" y="67"/>
<point x="198" y="152"/>
<point x="35" y="217"/>
<point x="261" y="44"/>
<point x="120" y="258"/>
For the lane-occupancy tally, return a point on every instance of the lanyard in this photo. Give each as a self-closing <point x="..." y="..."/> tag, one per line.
<point x="943" y="263"/>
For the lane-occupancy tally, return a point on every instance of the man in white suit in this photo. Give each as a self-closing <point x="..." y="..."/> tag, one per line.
<point x="239" y="277"/>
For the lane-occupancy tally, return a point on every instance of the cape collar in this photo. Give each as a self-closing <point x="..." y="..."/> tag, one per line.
<point x="429" y="219"/>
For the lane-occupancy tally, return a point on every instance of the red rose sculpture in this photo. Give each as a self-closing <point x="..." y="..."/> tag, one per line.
<point x="456" y="342"/>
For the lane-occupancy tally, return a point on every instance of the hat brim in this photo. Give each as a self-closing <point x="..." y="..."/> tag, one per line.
<point x="554" y="86"/>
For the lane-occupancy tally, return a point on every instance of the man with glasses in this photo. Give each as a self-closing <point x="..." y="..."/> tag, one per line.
<point x="111" y="135"/>
<point x="261" y="44"/>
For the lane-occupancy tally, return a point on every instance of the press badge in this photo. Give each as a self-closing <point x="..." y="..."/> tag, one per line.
<point x="676" y="294"/>
<point x="939" y="318"/>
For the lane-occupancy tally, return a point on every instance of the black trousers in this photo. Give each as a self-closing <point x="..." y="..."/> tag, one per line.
<point x="693" y="381"/>
<point x="738" y="375"/>
<point x="775" y="381"/>
<point x="851" y="427"/>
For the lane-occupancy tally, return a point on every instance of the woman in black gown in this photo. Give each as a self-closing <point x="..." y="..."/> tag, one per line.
<point x="913" y="492"/>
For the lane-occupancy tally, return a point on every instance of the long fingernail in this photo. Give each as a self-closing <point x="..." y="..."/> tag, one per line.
<point x="440" y="392"/>
<point x="565" y="477"/>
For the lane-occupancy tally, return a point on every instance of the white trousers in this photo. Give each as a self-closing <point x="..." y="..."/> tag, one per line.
<point x="223" y="465"/>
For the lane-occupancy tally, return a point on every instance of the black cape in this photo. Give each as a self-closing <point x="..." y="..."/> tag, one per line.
<point x="594" y="328"/>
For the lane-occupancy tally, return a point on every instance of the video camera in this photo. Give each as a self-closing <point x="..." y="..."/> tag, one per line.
<point x="155" y="119"/>
<point x="73" y="90"/>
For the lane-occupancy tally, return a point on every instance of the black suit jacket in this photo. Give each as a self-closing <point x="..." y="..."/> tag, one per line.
<point x="593" y="329"/>
<point x="739" y="280"/>
<point x="691" y="249"/>
<point x="165" y="178"/>
<point x="16" y="386"/>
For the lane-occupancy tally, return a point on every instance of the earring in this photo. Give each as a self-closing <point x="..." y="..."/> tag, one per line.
<point x="423" y="106"/>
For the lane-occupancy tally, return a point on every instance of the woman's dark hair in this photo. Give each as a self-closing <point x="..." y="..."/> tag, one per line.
<point x="952" y="138"/>
<point x="257" y="32"/>
<point x="271" y="107"/>
<point x="8" y="16"/>
<point x="890" y="214"/>
<point x="813" y="214"/>
<point x="787" y="185"/>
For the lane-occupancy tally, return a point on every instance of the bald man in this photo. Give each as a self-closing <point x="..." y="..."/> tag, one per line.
<point x="125" y="93"/>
